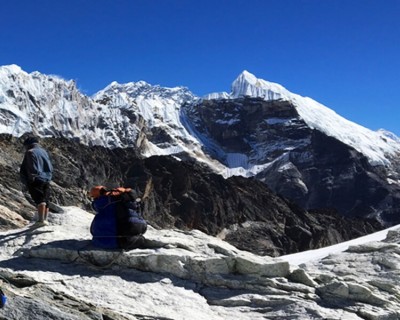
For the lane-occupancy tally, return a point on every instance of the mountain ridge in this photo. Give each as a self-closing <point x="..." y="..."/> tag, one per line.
<point x="258" y="130"/>
<point x="370" y="143"/>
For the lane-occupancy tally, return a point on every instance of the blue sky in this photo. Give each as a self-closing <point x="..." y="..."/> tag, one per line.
<point x="342" y="53"/>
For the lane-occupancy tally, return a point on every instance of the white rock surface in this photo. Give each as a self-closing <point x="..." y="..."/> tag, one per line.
<point x="189" y="275"/>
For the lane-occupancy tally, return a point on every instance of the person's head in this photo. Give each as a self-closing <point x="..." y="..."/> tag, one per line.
<point x="97" y="192"/>
<point x="30" y="141"/>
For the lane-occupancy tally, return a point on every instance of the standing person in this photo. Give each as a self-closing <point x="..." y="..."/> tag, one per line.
<point x="36" y="173"/>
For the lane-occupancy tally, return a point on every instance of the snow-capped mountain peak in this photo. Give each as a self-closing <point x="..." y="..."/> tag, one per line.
<point x="246" y="84"/>
<point x="374" y="145"/>
<point x="10" y="69"/>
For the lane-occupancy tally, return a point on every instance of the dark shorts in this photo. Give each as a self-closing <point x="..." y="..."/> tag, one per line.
<point x="39" y="191"/>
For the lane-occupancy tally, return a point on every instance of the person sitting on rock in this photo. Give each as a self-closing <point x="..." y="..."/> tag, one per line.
<point x="118" y="222"/>
<point x="36" y="173"/>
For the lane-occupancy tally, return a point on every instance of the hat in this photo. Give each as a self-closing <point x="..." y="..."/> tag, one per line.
<point x="31" y="140"/>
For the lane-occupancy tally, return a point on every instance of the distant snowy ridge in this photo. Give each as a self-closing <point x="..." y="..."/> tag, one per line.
<point x="121" y="115"/>
<point x="53" y="107"/>
<point x="375" y="145"/>
<point x="160" y="108"/>
<point x="137" y="114"/>
<point x="390" y="135"/>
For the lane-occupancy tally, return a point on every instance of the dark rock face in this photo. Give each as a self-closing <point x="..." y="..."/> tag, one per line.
<point x="262" y="130"/>
<point x="305" y="165"/>
<point x="181" y="194"/>
<point x="335" y="176"/>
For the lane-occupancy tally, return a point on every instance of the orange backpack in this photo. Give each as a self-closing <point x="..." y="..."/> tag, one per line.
<point x="99" y="191"/>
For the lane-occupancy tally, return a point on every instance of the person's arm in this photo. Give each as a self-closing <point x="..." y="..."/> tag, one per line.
<point x="30" y="166"/>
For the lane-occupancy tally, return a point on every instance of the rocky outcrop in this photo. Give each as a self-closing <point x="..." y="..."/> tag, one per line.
<point x="304" y="165"/>
<point x="181" y="194"/>
<point x="55" y="273"/>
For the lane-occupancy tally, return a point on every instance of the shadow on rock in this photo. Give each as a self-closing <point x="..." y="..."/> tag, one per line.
<point x="80" y="258"/>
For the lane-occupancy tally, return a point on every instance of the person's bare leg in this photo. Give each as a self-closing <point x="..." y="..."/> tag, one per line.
<point x="46" y="213"/>
<point x="42" y="211"/>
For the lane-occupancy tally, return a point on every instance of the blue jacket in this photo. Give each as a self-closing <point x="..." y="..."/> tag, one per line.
<point x="104" y="224"/>
<point x="115" y="221"/>
<point x="36" y="165"/>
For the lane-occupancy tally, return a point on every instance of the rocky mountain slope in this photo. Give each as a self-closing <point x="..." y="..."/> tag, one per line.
<point x="298" y="147"/>
<point x="270" y="141"/>
<point x="54" y="273"/>
<point x="181" y="194"/>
